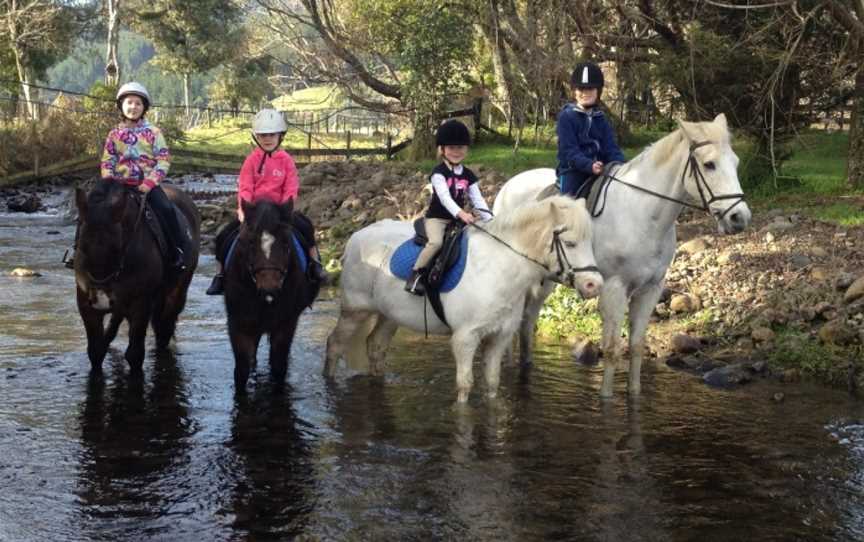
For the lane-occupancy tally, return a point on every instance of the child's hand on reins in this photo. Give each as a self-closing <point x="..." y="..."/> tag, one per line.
<point x="467" y="218"/>
<point x="143" y="188"/>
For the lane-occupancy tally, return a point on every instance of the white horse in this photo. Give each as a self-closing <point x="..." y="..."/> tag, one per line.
<point x="547" y="240"/>
<point x="634" y="238"/>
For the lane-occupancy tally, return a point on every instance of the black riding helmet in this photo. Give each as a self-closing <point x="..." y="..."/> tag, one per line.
<point x="587" y="75"/>
<point x="452" y="132"/>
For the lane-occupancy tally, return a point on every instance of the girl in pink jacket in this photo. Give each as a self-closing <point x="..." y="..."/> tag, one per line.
<point x="269" y="173"/>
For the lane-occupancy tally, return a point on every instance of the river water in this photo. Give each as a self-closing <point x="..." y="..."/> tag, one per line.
<point x="178" y="456"/>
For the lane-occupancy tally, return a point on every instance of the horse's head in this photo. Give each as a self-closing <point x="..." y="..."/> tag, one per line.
<point x="556" y="232"/>
<point x="268" y="236"/>
<point x="103" y="237"/>
<point x="711" y="174"/>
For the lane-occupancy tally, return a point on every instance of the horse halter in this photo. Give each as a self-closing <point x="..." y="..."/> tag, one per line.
<point x="124" y="249"/>
<point x="701" y="185"/>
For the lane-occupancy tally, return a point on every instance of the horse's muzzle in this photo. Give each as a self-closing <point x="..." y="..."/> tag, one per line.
<point x="588" y="284"/>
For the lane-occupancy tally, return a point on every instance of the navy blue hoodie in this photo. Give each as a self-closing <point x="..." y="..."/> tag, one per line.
<point x="584" y="137"/>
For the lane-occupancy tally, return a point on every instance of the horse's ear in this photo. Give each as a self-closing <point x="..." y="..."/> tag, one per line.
<point x="687" y="130"/>
<point x="720" y="120"/>
<point x="81" y="201"/>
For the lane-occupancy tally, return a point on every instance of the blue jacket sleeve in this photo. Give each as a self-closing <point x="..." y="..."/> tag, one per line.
<point x="611" y="151"/>
<point x="568" y="145"/>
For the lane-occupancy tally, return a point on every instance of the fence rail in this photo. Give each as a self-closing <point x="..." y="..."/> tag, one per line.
<point x="196" y="161"/>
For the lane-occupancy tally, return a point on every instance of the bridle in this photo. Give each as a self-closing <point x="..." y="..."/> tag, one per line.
<point x="557" y="245"/>
<point x="701" y="185"/>
<point x="124" y="249"/>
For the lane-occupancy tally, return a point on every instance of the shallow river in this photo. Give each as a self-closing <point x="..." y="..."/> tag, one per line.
<point x="177" y="456"/>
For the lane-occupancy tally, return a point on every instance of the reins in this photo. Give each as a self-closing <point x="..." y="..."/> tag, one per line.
<point x="142" y="204"/>
<point x="557" y="245"/>
<point x="699" y="178"/>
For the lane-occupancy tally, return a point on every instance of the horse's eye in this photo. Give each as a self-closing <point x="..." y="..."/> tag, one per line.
<point x="710" y="165"/>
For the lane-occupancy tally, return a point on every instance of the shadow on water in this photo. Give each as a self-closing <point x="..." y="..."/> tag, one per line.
<point x="134" y="435"/>
<point x="274" y="487"/>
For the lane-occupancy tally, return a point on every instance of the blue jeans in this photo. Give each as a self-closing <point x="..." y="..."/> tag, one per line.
<point x="570" y="183"/>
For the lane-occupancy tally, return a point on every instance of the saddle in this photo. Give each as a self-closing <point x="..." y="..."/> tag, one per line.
<point x="445" y="270"/>
<point x="154" y="224"/>
<point x="593" y="190"/>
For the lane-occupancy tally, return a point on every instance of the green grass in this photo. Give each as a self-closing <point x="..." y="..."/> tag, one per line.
<point x="565" y="316"/>
<point x="233" y="136"/>
<point x="796" y="350"/>
<point x="310" y="99"/>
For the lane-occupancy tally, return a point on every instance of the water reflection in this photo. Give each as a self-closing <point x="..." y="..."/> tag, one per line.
<point x="135" y="448"/>
<point x="274" y="486"/>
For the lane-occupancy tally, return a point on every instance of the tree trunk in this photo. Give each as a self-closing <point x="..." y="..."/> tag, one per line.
<point x="20" y="65"/>
<point x="112" y="66"/>
<point x="186" y="94"/>
<point x="423" y="145"/>
<point x="855" y="166"/>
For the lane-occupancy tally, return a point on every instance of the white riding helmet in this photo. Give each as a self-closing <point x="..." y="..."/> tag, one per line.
<point x="269" y="121"/>
<point x="136" y="89"/>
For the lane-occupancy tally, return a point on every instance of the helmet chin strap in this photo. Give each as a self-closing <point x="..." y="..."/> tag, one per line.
<point x="266" y="152"/>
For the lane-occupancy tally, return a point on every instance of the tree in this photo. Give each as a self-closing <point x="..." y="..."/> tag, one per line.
<point x="412" y="57"/>
<point x="849" y="15"/>
<point x="37" y="32"/>
<point x="190" y="35"/>
<point x="112" y="22"/>
<point x="241" y="83"/>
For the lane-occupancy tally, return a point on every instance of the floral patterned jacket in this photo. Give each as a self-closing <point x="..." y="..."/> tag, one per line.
<point x="136" y="155"/>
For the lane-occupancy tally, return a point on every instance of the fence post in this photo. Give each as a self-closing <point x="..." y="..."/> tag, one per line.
<point x="36" y="146"/>
<point x="478" y="116"/>
<point x="389" y="147"/>
<point x="348" y="144"/>
<point x="309" y="140"/>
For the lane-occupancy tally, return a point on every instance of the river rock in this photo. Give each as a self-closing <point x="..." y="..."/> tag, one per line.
<point x="779" y="224"/>
<point x="799" y="261"/>
<point x="819" y="274"/>
<point x="762" y="335"/>
<point x="685" y="344"/>
<point x="818" y="252"/>
<point x="29" y="203"/>
<point x="24" y="272"/>
<point x="684" y="303"/>
<point x="728" y="376"/>
<point x="836" y="332"/>
<point x="586" y="352"/>
<point x="855" y="290"/>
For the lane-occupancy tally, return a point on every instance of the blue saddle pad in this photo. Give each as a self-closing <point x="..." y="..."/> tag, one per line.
<point x="406" y="254"/>
<point x="298" y="249"/>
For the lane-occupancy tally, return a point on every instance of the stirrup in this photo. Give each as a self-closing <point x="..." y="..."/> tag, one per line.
<point x="414" y="284"/>
<point x="69" y="260"/>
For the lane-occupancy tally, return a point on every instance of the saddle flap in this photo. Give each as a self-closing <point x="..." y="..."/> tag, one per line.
<point x="420" y="232"/>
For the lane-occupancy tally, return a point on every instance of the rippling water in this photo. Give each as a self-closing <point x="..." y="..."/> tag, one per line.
<point x="177" y="456"/>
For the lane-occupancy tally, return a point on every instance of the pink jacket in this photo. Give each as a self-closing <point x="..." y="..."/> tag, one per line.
<point x="277" y="180"/>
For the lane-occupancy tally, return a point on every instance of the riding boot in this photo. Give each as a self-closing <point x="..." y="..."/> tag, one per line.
<point x="217" y="286"/>
<point x="414" y="284"/>
<point x="316" y="272"/>
<point x="179" y="262"/>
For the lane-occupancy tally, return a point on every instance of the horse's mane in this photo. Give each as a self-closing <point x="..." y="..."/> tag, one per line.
<point x="101" y="200"/>
<point x="664" y="149"/>
<point x="531" y="225"/>
<point x="267" y="217"/>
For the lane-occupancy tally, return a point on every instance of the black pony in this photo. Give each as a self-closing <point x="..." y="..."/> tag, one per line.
<point x="119" y="270"/>
<point x="266" y="287"/>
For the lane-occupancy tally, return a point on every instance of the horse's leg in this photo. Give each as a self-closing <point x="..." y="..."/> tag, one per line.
<point x="641" y="306"/>
<point x="139" y="318"/>
<point x="612" y="307"/>
<point x="94" y="326"/>
<point x="245" y="345"/>
<point x="165" y="320"/>
<point x="464" y="344"/>
<point x="495" y="347"/>
<point x="341" y="336"/>
<point x="533" y="303"/>
<point x="113" y="326"/>
<point x="280" y="349"/>
<point x="378" y="341"/>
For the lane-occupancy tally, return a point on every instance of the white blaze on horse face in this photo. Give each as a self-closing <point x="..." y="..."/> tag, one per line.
<point x="267" y="241"/>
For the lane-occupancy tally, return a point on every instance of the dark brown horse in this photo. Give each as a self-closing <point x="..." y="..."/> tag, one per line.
<point x="119" y="270"/>
<point x="266" y="288"/>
